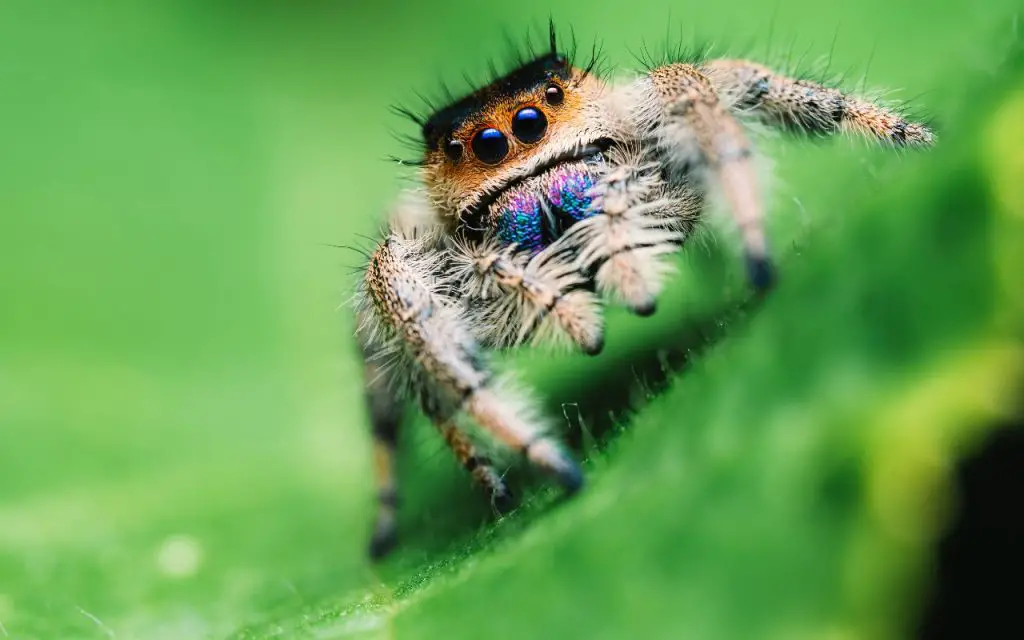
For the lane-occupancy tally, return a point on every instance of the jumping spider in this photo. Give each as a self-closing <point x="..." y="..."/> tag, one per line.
<point x="542" y="194"/>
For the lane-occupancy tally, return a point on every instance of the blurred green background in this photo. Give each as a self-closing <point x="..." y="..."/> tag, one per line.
<point x="182" y="441"/>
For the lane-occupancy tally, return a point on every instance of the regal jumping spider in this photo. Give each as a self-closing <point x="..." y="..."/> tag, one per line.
<point x="542" y="194"/>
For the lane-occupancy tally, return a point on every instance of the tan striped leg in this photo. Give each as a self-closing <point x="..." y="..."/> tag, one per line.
<point x="434" y="350"/>
<point x="477" y="464"/>
<point x="626" y="244"/>
<point x="699" y="135"/>
<point x="809" y="106"/>
<point x="385" y="417"/>
<point x="518" y="297"/>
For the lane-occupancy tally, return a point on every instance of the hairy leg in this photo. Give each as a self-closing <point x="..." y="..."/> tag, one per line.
<point x="385" y="418"/>
<point x="477" y="464"/>
<point x="516" y="297"/>
<point x="698" y="136"/>
<point x="637" y="225"/>
<point x="809" y="106"/>
<point x="436" y="354"/>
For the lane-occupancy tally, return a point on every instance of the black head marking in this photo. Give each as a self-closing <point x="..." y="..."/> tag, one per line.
<point x="533" y="74"/>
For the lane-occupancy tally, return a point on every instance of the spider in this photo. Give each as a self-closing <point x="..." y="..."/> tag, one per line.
<point x="541" y="195"/>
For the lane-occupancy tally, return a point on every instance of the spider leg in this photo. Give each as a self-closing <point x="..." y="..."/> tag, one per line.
<point x="637" y="223"/>
<point x="516" y="297"/>
<point x="808" y="106"/>
<point x="698" y="135"/>
<point x="437" y="354"/>
<point x="476" y="463"/>
<point x="385" y="418"/>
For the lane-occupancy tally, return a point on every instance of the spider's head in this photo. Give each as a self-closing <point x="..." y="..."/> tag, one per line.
<point x="522" y="124"/>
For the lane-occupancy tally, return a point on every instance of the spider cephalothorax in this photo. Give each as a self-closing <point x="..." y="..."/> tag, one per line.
<point x="542" y="195"/>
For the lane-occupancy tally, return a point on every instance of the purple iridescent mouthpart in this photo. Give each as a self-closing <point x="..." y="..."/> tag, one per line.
<point x="520" y="218"/>
<point x="568" y="193"/>
<point x="520" y="222"/>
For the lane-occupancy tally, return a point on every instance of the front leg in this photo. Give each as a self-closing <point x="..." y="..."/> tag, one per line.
<point x="515" y="297"/>
<point x="803" y="105"/>
<point x="639" y="221"/>
<point x="409" y="318"/>
<point x="698" y="136"/>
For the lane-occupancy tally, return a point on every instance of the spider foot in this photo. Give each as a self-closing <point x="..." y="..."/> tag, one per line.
<point x="384" y="540"/>
<point x="547" y="455"/>
<point x="503" y="500"/>
<point x="570" y="477"/>
<point x="761" y="272"/>
<point x="645" y="309"/>
<point x="594" y="347"/>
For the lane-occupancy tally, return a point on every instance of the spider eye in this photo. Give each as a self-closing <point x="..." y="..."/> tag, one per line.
<point x="554" y="95"/>
<point x="453" y="150"/>
<point x="529" y="124"/>
<point x="490" y="145"/>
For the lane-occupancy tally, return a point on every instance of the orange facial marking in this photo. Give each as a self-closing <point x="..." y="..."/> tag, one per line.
<point x="468" y="175"/>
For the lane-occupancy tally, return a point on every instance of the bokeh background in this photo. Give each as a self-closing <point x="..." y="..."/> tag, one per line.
<point x="182" y="441"/>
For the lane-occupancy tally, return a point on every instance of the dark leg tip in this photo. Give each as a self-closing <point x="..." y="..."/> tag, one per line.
<point x="760" y="272"/>
<point x="553" y="461"/>
<point x="595" y="347"/>
<point x="382" y="543"/>
<point x="503" y="501"/>
<point x="646" y="309"/>
<point x="570" y="477"/>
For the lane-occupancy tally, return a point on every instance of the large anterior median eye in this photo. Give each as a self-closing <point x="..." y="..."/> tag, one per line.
<point x="529" y="124"/>
<point x="490" y="146"/>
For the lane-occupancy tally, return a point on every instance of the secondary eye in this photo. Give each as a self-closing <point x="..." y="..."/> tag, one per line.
<point x="553" y="94"/>
<point x="453" y="150"/>
<point x="490" y="146"/>
<point x="529" y="124"/>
